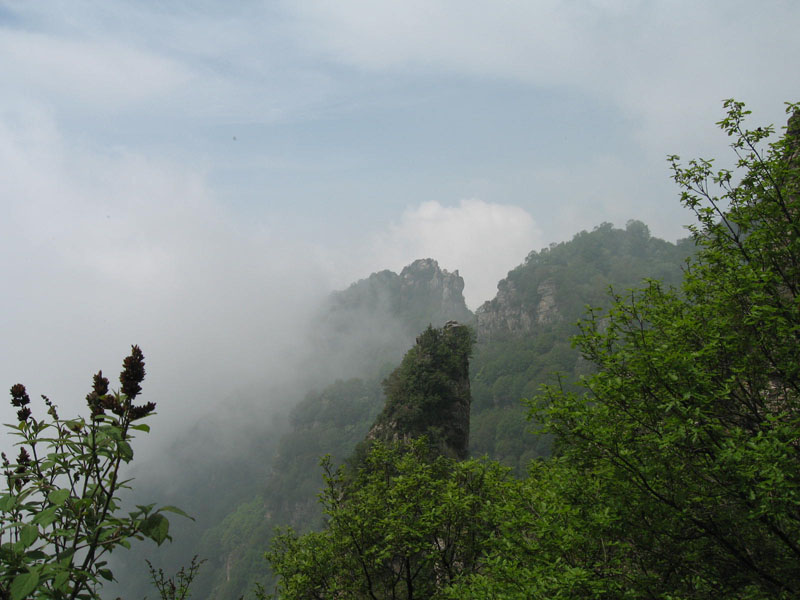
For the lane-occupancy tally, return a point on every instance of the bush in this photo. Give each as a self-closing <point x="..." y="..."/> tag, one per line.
<point x="60" y="515"/>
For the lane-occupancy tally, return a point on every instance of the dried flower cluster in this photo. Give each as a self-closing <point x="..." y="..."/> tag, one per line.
<point x="131" y="377"/>
<point x="60" y="509"/>
<point x="132" y="373"/>
<point x="20" y="399"/>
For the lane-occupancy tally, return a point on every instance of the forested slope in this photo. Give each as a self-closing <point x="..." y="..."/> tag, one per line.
<point x="675" y="474"/>
<point x="507" y="365"/>
<point x="525" y="332"/>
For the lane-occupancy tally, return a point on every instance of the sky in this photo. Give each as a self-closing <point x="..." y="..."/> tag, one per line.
<point x="195" y="176"/>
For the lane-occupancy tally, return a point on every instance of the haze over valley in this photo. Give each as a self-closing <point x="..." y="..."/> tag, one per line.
<point x="275" y="200"/>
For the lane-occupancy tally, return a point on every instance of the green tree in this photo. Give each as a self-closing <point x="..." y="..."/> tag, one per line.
<point x="407" y="525"/>
<point x="60" y="514"/>
<point x="677" y="468"/>
<point x="692" y="424"/>
<point x="555" y="540"/>
<point x="429" y="393"/>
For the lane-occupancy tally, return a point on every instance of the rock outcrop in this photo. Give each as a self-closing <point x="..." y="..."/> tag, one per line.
<point x="509" y="314"/>
<point x="375" y="320"/>
<point x="422" y="294"/>
<point x="424" y="283"/>
<point x="429" y="393"/>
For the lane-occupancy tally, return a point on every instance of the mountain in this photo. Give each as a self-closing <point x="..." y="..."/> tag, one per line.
<point x="359" y="338"/>
<point x="525" y="331"/>
<point x="366" y="328"/>
<point x="554" y="286"/>
<point x="361" y="333"/>
<point x="428" y="394"/>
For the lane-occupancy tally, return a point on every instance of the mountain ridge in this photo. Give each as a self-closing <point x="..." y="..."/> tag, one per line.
<point x="361" y="335"/>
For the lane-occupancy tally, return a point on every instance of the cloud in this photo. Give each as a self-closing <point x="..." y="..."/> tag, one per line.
<point x="481" y="240"/>
<point x="666" y="65"/>
<point x="103" y="250"/>
<point x="159" y="64"/>
<point x="89" y="72"/>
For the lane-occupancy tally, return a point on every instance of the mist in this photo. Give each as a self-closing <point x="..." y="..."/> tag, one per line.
<point x="198" y="179"/>
<point x="113" y="251"/>
<point x="107" y="249"/>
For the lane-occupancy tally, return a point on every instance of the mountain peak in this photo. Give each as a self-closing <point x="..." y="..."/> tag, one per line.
<point x="429" y="393"/>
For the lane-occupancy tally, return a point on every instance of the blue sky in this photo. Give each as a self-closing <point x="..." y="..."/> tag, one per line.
<point x="193" y="175"/>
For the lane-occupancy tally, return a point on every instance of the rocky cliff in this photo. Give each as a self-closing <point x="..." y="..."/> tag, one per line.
<point x="422" y="294"/>
<point x="429" y="393"/>
<point x="509" y="314"/>
<point x="375" y="320"/>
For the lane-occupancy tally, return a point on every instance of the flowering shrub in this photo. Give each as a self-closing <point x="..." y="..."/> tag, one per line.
<point x="59" y="509"/>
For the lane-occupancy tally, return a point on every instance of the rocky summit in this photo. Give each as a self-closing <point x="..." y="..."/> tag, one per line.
<point x="429" y="393"/>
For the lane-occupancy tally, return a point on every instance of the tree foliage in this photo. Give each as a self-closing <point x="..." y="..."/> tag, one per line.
<point x="692" y="424"/>
<point x="429" y="393"/>
<point x="406" y="525"/>
<point x="60" y="512"/>
<point x="677" y="467"/>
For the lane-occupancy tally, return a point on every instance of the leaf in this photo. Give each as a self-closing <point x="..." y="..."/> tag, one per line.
<point x="66" y="558"/>
<point x="28" y="535"/>
<point x="58" y="497"/>
<point x="60" y="581"/>
<point x="177" y="511"/>
<point x="6" y="503"/>
<point x="125" y="451"/>
<point x="156" y="527"/>
<point x="24" y="584"/>
<point x="46" y="517"/>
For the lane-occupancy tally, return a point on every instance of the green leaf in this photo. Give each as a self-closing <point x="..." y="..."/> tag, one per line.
<point x="156" y="527"/>
<point x="7" y="502"/>
<point x="58" y="497"/>
<point x="177" y="511"/>
<point x="125" y="451"/>
<point x="141" y="427"/>
<point x="60" y="581"/>
<point x="24" y="584"/>
<point x="28" y="534"/>
<point x="46" y="517"/>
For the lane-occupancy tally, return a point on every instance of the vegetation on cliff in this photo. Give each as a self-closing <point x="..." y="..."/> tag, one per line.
<point x="675" y="423"/>
<point x="676" y="469"/>
<point x="428" y="394"/>
<point x="407" y="524"/>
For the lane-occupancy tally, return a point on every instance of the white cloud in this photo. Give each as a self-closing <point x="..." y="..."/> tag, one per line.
<point x="105" y="250"/>
<point x="481" y="240"/>
<point x="464" y="36"/>
<point x="92" y="72"/>
<point x="667" y="65"/>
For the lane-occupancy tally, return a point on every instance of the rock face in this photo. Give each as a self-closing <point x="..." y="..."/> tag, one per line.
<point x="429" y="393"/>
<point x="374" y="321"/>
<point x="423" y="282"/>
<point x="547" y="309"/>
<point x="420" y="295"/>
<point x="510" y="315"/>
<point x="793" y="141"/>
